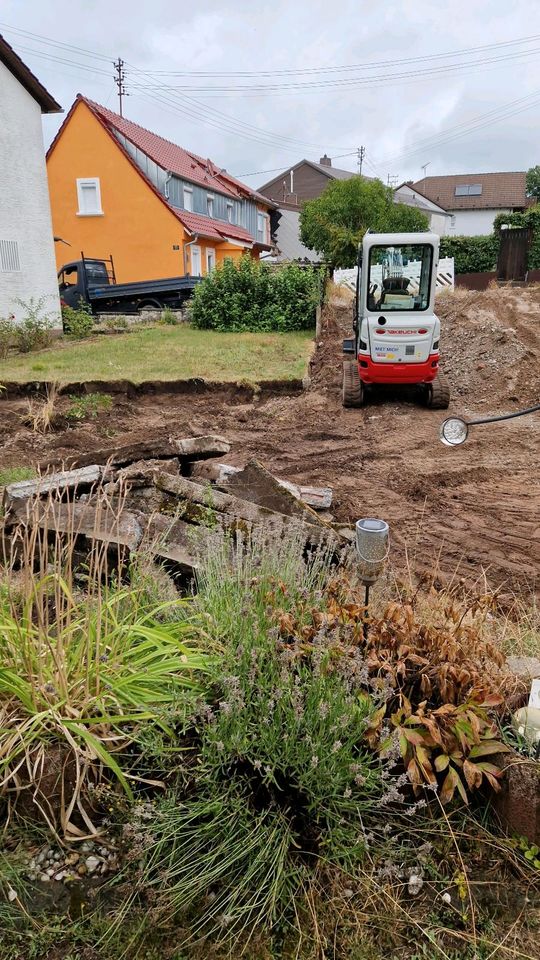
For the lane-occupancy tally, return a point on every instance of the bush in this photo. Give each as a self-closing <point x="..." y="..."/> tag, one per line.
<point x="7" y="336"/>
<point x="471" y="254"/>
<point x="34" y="331"/>
<point x="168" y="317"/>
<point x="78" y="324"/>
<point x="250" y="295"/>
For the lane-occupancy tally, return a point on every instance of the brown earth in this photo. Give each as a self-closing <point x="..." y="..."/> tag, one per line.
<point x="466" y="510"/>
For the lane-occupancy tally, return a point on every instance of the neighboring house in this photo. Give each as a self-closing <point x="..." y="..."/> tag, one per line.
<point x="27" y="267"/>
<point x="305" y="181"/>
<point x="475" y="199"/>
<point x="288" y="245"/>
<point x="439" y="219"/>
<point x="160" y="210"/>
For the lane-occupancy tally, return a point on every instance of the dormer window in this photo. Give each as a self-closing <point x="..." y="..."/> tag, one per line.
<point x="210" y="204"/>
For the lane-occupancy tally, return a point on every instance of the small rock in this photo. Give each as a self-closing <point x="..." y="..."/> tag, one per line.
<point x="92" y="863"/>
<point x="81" y="870"/>
<point x="60" y="875"/>
<point x="11" y="894"/>
<point x="44" y="878"/>
<point x="446" y="898"/>
<point x="415" y="884"/>
<point x="71" y="859"/>
<point x="50" y="871"/>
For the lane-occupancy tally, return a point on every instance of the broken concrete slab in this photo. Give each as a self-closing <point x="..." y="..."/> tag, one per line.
<point x="140" y="474"/>
<point x="213" y="500"/>
<point x="53" y="483"/>
<point x="93" y="521"/>
<point x="171" y="539"/>
<point x="255" y="484"/>
<point x="319" y="498"/>
<point x="161" y="448"/>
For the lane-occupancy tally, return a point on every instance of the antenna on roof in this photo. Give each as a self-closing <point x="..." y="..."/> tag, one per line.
<point x="424" y="168"/>
<point x="119" y="79"/>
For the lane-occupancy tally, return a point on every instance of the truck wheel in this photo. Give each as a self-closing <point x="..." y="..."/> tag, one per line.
<point x="353" y="388"/>
<point x="437" y="396"/>
<point x="149" y="305"/>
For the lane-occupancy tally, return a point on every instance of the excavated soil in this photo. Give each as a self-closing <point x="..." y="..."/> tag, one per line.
<point x="465" y="510"/>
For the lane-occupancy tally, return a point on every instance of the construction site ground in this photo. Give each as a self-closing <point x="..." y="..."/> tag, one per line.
<point x="462" y="510"/>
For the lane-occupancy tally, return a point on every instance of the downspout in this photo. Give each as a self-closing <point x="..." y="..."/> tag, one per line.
<point x="186" y="245"/>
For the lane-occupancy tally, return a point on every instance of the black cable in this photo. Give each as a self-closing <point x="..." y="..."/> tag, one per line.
<point x="504" y="416"/>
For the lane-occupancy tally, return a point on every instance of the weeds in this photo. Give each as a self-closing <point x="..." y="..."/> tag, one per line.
<point x="41" y="415"/>
<point x="168" y="317"/>
<point x="78" y="323"/>
<point x="88" y="406"/>
<point x="7" y="336"/>
<point x="34" y="331"/>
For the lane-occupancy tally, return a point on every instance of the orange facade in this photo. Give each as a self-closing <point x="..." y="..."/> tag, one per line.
<point x="135" y="225"/>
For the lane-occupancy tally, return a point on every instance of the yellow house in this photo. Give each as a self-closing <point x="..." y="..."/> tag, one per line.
<point x="159" y="210"/>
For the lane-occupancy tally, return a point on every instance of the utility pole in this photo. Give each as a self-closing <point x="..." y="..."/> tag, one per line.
<point x="392" y="180"/>
<point x="119" y="79"/>
<point x="360" y="154"/>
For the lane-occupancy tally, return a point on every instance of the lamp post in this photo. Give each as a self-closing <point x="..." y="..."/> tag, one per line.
<point x="372" y="549"/>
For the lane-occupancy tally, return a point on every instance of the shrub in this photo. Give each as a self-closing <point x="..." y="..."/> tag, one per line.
<point x="88" y="405"/>
<point x="284" y="777"/>
<point x="78" y="323"/>
<point x="471" y="254"/>
<point x="7" y="336"/>
<point x="529" y="218"/>
<point x="34" y="331"/>
<point x="250" y="295"/>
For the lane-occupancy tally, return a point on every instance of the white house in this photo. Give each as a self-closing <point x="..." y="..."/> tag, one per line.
<point x="439" y="219"/>
<point x="473" y="200"/>
<point x="27" y="262"/>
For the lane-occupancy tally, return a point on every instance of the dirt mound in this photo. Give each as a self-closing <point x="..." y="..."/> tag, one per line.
<point x="491" y="346"/>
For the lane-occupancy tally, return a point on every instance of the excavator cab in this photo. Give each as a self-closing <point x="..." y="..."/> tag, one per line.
<point x="397" y="332"/>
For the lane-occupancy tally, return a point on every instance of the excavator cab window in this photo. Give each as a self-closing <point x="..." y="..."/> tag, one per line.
<point x="399" y="277"/>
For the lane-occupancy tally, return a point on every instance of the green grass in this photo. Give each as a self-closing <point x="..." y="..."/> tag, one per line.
<point x="174" y="353"/>
<point x="15" y="474"/>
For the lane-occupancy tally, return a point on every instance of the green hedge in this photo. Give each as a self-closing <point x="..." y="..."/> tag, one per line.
<point x="471" y="254"/>
<point x="250" y="295"/>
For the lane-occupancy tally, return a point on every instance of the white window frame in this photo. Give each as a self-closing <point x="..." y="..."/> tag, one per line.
<point x="196" y="249"/>
<point x="264" y="218"/>
<point x="85" y="182"/>
<point x="210" y="205"/>
<point x="230" y="211"/>
<point x="188" y="192"/>
<point x="210" y="255"/>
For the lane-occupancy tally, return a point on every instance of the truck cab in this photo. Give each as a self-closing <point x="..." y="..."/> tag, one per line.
<point x="75" y="280"/>
<point x="396" y="331"/>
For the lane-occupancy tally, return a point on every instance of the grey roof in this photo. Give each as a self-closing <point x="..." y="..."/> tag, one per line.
<point x="29" y="81"/>
<point x="333" y="172"/>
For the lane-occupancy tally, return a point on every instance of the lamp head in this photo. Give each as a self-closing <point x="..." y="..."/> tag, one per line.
<point x="454" y="431"/>
<point x="371" y="547"/>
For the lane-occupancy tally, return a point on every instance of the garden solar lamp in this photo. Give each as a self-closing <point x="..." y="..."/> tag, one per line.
<point x="454" y="431"/>
<point x="372" y="538"/>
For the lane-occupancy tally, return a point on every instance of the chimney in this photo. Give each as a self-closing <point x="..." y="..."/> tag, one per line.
<point x="325" y="161"/>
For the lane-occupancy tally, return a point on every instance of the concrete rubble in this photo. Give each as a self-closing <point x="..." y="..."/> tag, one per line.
<point x="162" y="498"/>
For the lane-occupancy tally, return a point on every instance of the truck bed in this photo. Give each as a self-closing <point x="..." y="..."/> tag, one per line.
<point x="141" y="288"/>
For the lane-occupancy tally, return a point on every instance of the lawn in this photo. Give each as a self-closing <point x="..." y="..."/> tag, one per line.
<point x="166" y="353"/>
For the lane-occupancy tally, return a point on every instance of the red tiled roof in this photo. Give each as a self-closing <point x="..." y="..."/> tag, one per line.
<point x="506" y="190"/>
<point x="216" y="229"/>
<point x="171" y="157"/>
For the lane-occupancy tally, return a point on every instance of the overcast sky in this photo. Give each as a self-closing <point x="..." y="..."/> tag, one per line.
<point x="442" y="115"/>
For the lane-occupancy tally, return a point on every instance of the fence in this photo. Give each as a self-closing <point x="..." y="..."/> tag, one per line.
<point x="445" y="275"/>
